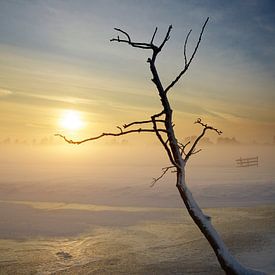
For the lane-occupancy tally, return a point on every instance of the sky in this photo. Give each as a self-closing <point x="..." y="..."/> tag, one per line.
<point x="56" y="56"/>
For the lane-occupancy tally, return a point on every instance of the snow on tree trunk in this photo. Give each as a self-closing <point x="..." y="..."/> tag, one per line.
<point x="228" y="263"/>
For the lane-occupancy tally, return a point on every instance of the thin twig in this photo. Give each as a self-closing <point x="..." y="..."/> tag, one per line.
<point x="164" y="171"/>
<point x="182" y="147"/>
<point x="198" y="121"/>
<point x="120" y="128"/>
<point x="205" y="128"/>
<point x="184" y="48"/>
<point x="166" y="38"/>
<point x="152" y="40"/>
<point x="195" y="152"/>
<point x="120" y="30"/>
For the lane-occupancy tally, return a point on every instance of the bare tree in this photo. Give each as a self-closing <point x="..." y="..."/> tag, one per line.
<point x="161" y="124"/>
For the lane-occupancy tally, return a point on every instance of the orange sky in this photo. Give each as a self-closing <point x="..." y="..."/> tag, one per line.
<point x="56" y="56"/>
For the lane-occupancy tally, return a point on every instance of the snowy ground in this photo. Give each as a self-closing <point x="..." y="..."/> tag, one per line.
<point x="49" y="238"/>
<point x="212" y="186"/>
<point x="89" y="217"/>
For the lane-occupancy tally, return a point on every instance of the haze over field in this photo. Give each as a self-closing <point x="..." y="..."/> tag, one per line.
<point x="122" y="175"/>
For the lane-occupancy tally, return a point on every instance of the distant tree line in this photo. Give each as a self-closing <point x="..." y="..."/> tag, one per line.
<point x="48" y="140"/>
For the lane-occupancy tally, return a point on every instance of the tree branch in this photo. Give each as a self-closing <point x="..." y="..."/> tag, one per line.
<point x="184" y="48"/>
<point x="182" y="147"/>
<point x="205" y="128"/>
<point x="140" y="130"/>
<point x="125" y="33"/>
<point x="164" y="171"/>
<point x="198" y="121"/>
<point x="187" y="63"/>
<point x="141" y="122"/>
<point x="165" y="145"/>
<point x="152" y="40"/>
<point x="166" y="38"/>
<point x="146" y="46"/>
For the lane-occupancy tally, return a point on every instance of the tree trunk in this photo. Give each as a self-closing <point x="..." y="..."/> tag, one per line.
<point x="228" y="263"/>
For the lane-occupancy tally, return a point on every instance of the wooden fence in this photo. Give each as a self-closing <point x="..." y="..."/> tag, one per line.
<point x="246" y="162"/>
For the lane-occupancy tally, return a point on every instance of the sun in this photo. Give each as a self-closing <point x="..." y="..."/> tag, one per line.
<point x="71" y="120"/>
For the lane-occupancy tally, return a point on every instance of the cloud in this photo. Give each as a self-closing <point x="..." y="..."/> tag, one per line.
<point x="67" y="99"/>
<point x="4" y="92"/>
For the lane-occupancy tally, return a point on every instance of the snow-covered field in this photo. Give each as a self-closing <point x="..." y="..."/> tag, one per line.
<point x="47" y="238"/>
<point x="76" y="215"/>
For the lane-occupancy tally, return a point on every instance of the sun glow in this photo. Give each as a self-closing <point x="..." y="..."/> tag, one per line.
<point x="71" y="120"/>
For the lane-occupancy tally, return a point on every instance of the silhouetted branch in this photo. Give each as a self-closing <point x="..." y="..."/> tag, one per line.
<point x="149" y="46"/>
<point x="165" y="145"/>
<point x="205" y="128"/>
<point x="128" y="36"/>
<point x="120" y="129"/>
<point x="195" y="152"/>
<point x="184" y="48"/>
<point x="140" y="130"/>
<point x="166" y="38"/>
<point x="152" y="40"/>
<point x="164" y="171"/>
<point x="141" y="122"/>
<point x="156" y="49"/>
<point x="159" y="114"/>
<point x="198" y="121"/>
<point x="187" y="63"/>
<point x="199" y="41"/>
<point x="182" y="147"/>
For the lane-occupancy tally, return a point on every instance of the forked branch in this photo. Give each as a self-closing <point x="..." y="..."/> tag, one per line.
<point x="182" y="147"/>
<point x="186" y="61"/>
<point x="164" y="143"/>
<point x="142" y="45"/>
<point x="164" y="171"/>
<point x="129" y="41"/>
<point x="198" y="121"/>
<point x="206" y="127"/>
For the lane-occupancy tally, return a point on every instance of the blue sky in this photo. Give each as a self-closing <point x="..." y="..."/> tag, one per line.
<point x="56" y="55"/>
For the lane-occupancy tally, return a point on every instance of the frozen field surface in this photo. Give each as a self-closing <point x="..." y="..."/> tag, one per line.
<point x="58" y="238"/>
<point x="87" y="213"/>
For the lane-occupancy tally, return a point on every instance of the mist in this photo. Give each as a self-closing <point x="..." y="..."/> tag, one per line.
<point x="121" y="174"/>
